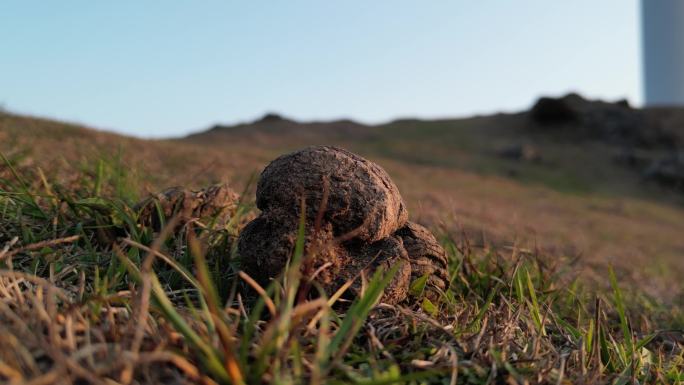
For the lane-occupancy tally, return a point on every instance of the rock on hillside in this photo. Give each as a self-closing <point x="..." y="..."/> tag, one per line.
<point x="615" y="123"/>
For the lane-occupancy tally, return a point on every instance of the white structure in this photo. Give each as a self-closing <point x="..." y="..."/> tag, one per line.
<point x="663" y="52"/>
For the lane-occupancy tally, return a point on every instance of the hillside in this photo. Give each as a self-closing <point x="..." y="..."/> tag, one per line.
<point x="559" y="258"/>
<point x="578" y="176"/>
<point x="556" y="179"/>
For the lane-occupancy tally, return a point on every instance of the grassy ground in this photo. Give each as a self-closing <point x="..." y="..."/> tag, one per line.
<point x="89" y="294"/>
<point x="576" y="202"/>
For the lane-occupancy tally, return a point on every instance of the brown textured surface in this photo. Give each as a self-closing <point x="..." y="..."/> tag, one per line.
<point x="382" y="255"/>
<point x="217" y="202"/>
<point x="362" y="211"/>
<point x="425" y="254"/>
<point x="267" y="243"/>
<point x="362" y="197"/>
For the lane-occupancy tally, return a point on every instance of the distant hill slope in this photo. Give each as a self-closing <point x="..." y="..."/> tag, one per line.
<point x="64" y="148"/>
<point x="568" y="144"/>
<point x="569" y="175"/>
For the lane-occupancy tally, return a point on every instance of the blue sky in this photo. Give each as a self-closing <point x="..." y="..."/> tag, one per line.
<point x="165" y="68"/>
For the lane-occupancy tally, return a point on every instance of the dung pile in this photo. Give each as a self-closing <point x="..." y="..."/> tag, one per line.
<point x="213" y="206"/>
<point x="217" y="203"/>
<point x="356" y="223"/>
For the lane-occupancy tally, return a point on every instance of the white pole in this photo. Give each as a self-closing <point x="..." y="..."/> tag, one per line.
<point x="663" y="52"/>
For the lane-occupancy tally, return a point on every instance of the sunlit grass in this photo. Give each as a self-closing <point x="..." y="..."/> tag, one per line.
<point x="87" y="293"/>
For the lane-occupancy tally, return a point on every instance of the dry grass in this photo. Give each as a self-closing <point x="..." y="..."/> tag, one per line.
<point x="623" y="224"/>
<point x="88" y="295"/>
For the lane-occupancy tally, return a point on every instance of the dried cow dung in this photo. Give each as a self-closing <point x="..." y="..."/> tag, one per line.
<point x="367" y="258"/>
<point x="355" y="220"/>
<point x="361" y="198"/>
<point x="426" y="255"/>
<point x="216" y="203"/>
<point x="267" y="243"/>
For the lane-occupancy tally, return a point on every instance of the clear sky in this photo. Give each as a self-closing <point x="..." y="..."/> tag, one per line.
<point x="165" y="68"/>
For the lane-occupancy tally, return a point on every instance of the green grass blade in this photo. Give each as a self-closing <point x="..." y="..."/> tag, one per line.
<point x="360" y="308"/>
<point x="624" y="322"/>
